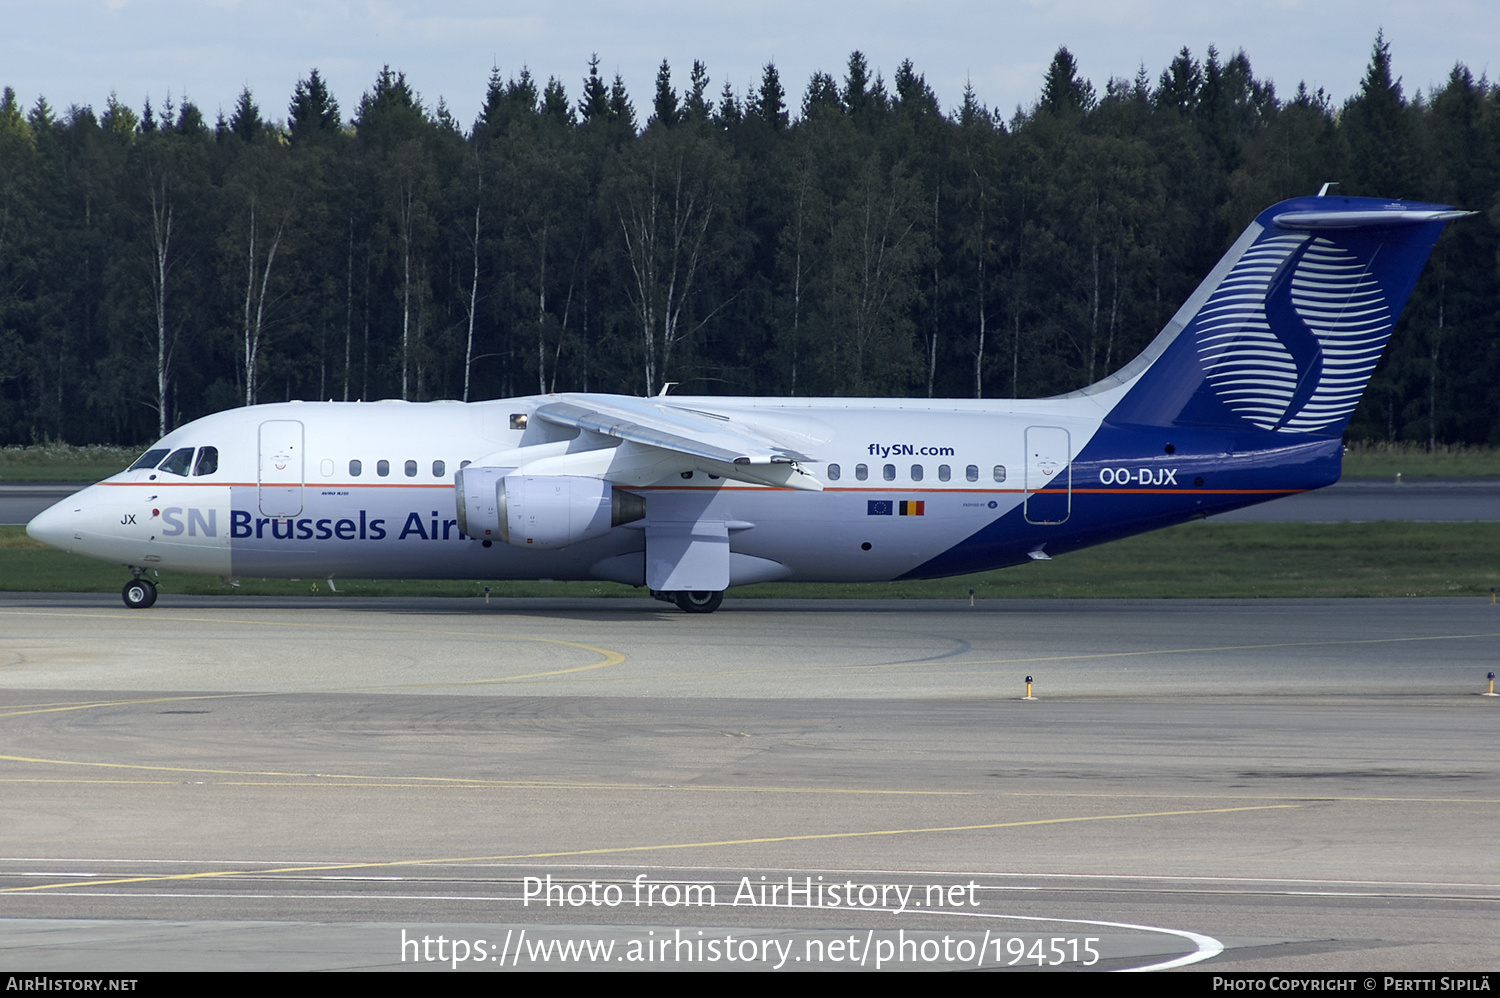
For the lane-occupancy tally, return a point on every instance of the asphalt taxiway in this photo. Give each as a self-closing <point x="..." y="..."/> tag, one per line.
<point x="232" y="783"/>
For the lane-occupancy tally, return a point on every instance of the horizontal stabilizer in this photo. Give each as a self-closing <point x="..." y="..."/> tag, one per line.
<point x="1363" y="219"/>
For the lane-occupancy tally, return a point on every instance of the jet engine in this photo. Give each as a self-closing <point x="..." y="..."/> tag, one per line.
<point x="476" y="491"/>
<point x="541" y="511"/>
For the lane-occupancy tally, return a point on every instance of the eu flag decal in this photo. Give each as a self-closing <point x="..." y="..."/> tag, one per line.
<point x="880" y="507"/>
<point x="913" y="507"/>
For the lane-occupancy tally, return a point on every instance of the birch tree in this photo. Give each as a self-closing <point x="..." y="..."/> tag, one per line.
<point x="875" y="252"/>
<point x="162" y="261"/>
<point x="667" y="203"/>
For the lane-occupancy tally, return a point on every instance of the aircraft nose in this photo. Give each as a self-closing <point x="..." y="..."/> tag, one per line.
<point x="58" y="526"/>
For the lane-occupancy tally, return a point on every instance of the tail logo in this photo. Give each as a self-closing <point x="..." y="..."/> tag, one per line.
<point x="1290" y="337"/>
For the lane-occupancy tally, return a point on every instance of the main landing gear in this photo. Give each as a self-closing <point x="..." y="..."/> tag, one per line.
<point x="698" y="602"/>
<point x="691" y="602"/>
<point x="139" y="593"/>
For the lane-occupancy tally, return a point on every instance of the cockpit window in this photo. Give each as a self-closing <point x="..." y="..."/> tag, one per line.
<point x="208" y="461"/>
<point x="179" y="463"/>
<point x="150" y="459"/>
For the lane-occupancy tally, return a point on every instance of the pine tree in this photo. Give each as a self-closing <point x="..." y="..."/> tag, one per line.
<point x="11" y="122"/>
<point x="556" y="107"/>
<point x="594" y="104"/>
<point x="313" y="112"/>
<point x="729" y="112"/>
<point x="1064" y="92"/>
<point x="1180" y="84"/>
<point x="190" y="120"/>
<point x="621" y="112"/>
<point x="506" y="103"/>
<point x="390" y="113"/>
<point x="822" y="97"/>
<point x="118" y="119"/>
<point x="856" y="97"/>
<point x="245" y="122"/>
<point x="664" y="109"/>
<point x="913" y="96"/>
<point x="696" y="106"/>
<point x="770" y="102"/>
<point x="1381" y="139"/>
<point x="970" y="111"/>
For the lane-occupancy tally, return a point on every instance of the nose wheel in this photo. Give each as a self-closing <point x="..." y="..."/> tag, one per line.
<point x="139" y="594"/>
<point x="698" y="602"/>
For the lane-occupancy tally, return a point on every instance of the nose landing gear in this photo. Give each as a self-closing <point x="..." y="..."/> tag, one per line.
<point x="139" y="593"/>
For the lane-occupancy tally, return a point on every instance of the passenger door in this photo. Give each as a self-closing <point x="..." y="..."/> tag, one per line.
<point x="1049" y="474"/>
<point x="281" y="468"/>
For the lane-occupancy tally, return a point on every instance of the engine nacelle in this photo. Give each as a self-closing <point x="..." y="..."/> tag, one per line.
<point x="476" y="492"/>
<point x="553" y="511"/>
<point x="540" y="511"/>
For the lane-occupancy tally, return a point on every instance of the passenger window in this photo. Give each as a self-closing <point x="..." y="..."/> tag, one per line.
<point x="411" y="469"/>
<point x="999" y="472"/>
<point x="179" y="463"/>
<point x="356" y="467"/>
<point x="439" y="469"/>
<point x="382" y="467"/>
<point x="916" y="472"/>
<point x="150" y="459"/>
<point x="834" y="472"/>
<point x="326" y="467"/>
<point x="464" y="464"/>
<point x="972" y="472"/>
<point x="889" y="472"/>
<point x="944" y="472"/>
<point x="208" y="461"/>
<point x="861" y="472"/>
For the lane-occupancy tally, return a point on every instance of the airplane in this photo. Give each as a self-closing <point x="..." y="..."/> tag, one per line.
<point x="1241" y="398"/>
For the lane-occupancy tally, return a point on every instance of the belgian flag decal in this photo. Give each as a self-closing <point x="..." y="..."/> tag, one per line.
<point x="913" y="507"/>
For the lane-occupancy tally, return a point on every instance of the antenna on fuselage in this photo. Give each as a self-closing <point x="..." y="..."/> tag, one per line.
<point x="1323" y="191"/>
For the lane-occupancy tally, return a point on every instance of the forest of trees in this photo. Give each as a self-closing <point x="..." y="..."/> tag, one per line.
<point x="156" y="266"/>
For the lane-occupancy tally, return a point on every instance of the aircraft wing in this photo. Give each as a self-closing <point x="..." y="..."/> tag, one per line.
<point x="750" y="454"/>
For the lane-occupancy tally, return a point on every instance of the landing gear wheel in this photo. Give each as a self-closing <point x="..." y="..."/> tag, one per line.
<point x="139" y="594"/>
<point x="698" y="602"/>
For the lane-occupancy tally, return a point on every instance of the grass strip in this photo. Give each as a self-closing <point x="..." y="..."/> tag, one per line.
<point x="58" y="462"/>
<point x="1387" y="460"/>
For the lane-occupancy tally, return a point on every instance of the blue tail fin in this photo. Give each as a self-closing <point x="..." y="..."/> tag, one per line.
<point x="1283" y="335"/>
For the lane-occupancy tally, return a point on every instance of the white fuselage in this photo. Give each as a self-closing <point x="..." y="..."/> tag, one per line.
<point x="371" y="492"/>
